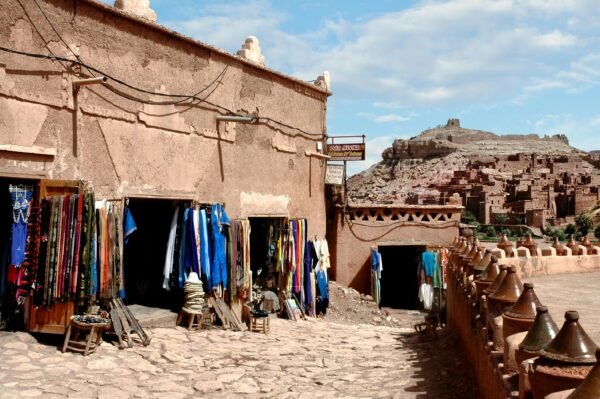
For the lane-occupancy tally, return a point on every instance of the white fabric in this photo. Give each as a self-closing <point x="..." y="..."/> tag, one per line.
<point x="170" y="251"/>
<point x="426" y="295"/>
<point x="322" y="250"/>
<point x="380" y="267"/>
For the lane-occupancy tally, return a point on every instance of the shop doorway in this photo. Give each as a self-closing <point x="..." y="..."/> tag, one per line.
<point x="399" y="279"/>
<point x="264" y="234"/>
<point x="144" y="254"/>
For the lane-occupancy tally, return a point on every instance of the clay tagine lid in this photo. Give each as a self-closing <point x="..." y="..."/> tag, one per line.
<point x="573" y="245"/>
<point x="461" y="245"/>
<point x="491" y="271"/>
<point x="543" y="330"/>
<point x="484" y="262"/>
<point x="590" y="386"/>
<point x="571" y="344"/>
<point x="505" y="245"/>
<point x="472" y="252"/>
<point x="476" y="259"/>
<point x="557" y="245"/>
<point x="455" y="242"/>
<point x="497" y="281"/>
<point x="530" y="245"/>
<point x="526" y="305"/>
<point x="586" y="242"/>
<point x="466" y="251"/>
<point x="511" y="288"/>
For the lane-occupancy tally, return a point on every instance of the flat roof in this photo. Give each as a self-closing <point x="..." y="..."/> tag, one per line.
<point x="161" y="28"/>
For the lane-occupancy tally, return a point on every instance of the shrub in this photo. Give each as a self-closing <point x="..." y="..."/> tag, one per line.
<point x="584" y="223"/>
<point x="597" y="232"/>
<point x="490" y="232"/>
<point x="570" y="229"/>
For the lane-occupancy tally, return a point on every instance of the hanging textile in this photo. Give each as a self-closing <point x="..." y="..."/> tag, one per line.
<point x="219" y="224"/>
<point x="20" y="197"/>
<point x="61" y="245"/>
<point x="129" y="226"/>
<point x="428" y="261"/>
<point x="169" y="256"/>
<point x="205" y="248"/>
<point x="426" y="295"/>
<point x="376" y="268"/>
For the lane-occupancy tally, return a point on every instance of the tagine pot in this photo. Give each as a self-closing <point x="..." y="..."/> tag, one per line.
<point x="566" y="361"/>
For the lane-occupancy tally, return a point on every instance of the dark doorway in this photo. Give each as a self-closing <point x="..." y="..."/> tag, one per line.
<point x="264" y="233"/>
<point x="144" y="254"/>
<point x="399" y="279"/>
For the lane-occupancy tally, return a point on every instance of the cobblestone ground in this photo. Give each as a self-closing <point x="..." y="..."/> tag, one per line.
<point x="306" y="359"/>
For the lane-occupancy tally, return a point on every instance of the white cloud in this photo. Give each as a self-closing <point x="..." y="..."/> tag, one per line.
<point x="391" y="118"/>
<point x="433" y="52"/>
<point x="373" y="150"/>
<point x="555" y="39"/>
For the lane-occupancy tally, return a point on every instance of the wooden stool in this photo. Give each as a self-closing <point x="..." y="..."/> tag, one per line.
<point x="260" y="324"/>
<point x="255" y="324"/>
<point x="194" y="318"/>
<point x="77" y="328"/>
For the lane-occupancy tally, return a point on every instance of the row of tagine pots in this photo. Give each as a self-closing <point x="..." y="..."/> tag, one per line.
<point x="563" y="358"/>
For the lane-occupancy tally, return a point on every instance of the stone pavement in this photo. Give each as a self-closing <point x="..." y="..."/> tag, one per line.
<point x="305" y="359"/>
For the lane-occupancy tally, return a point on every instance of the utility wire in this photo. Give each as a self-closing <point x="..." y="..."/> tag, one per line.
<point x="183" y="97"/>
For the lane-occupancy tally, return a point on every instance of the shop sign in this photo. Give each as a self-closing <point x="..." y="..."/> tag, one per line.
<point x="334" y="174"/>
<point x="346" y="152"/>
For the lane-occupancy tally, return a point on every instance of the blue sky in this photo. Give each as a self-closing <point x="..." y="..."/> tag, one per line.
<point x="399" y="67"/>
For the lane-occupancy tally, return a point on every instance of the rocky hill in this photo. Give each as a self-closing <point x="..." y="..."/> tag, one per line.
<point x="418" y="165"/>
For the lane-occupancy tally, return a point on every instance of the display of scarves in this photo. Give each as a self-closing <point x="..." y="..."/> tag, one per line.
<point x="20" y="197"/>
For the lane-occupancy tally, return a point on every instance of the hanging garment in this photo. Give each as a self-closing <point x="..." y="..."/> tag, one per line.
<point x="184" y="270"/>
<point x="205" y="251"/>
<point x="219" y="224"/>
<point x="168" y="267"/>
<point x="428" y="261"/>
<point x="129" y="226"/>
<point x="20" y="196"/>
<point x="426" y="295"/>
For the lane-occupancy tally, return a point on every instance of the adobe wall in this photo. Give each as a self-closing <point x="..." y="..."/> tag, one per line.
<point x="127" y="148"/>
<point x="364" y="228"/>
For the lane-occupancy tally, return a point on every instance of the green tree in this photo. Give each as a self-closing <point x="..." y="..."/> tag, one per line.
<point x="490" y="232"/>
<point x="570" y="229"/>
<point x="500" y="218"/>
<point x="467" y="217"/>
<point x="584" y="223"/>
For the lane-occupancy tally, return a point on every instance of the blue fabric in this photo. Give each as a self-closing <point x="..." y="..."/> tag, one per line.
<point x="205" y="250"/>
<point x="374" y="259"/>
<point x="94" y="264"/>
<point x="322" y="283"/>
<point x="20" y="196"/>
<point x="219" y="223"/>
<point x="428" y="261"/>
<point x="183" y="270"/>
<point x="129" y="226"/>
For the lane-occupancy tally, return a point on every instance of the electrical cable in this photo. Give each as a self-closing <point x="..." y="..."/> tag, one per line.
<point x="182" y="97"/>
<point x="185" y="97"/>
